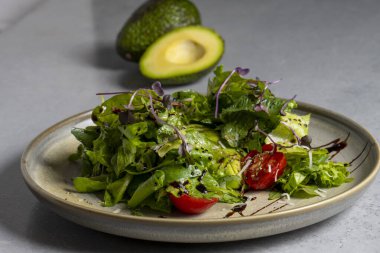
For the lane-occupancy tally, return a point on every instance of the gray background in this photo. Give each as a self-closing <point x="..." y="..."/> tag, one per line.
<point x="54" y="60"/>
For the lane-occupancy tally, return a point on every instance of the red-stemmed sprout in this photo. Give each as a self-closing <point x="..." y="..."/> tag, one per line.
<point x="259" y="107"/>
<point x="282" y="111"/>
<point x="157" y="87"/>
<point x="184" y="149"/>
<point x="240" y="71"/>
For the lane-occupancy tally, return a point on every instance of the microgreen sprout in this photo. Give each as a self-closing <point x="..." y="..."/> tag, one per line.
<point x="167" y="101"/>
<point x="157" y="87"/>
<point x="298" y="139"/>
<point x="240" y="71"/>
<point x="184" y="149"/>
<point x="130" y="104"/>
<point x="282" y="111"/>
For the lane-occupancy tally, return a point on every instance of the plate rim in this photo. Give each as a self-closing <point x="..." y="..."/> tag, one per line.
<point x="337" y="117"/>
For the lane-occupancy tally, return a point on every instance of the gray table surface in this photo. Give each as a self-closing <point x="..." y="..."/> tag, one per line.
<point x="54" y="60"/>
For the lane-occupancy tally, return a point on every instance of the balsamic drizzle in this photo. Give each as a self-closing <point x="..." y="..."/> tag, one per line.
<point x="278" y="208"/>
<point x="271" y="203"/>
<point x="361" y="152"/>
<point x="200" y="178"/>
<point x="236" y="209"/>
<point x="201" y="188"/>
<point x="181" y="187"/>
<point x="365" y="158"/>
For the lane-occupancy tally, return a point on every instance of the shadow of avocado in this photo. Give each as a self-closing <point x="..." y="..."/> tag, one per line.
<point x="108" y="19"/>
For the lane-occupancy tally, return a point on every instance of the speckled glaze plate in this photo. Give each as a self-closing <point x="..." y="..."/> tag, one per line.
<point x="48" y="174"/>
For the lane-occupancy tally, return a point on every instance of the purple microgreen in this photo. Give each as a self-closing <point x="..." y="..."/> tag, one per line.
<point x="306" y="141"/>
<point x="275" y="82"/>
<point x="238" y="70"/>
<point x="252" y="83"/>
<point x="130" y="104"/>
<point x="126" y="117"/>
<point x="282" y="111"/>
<point x="158" y="119"/>
<point x="184" y="148"/>
<point x="167" y="101"/>
<point x="157" y="87"/>
<point x="294" y="133"/>
<point x="257" y="129"/>
<point x="261" y="96"/>
<point x="113" y="93"/>
<point x="241" y="71"/>
<point x="219" y="91"/>
<point x="125" y="92"/>
<point x="261" y="108"/>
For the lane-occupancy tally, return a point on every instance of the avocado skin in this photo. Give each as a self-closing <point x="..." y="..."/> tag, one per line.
<point x="150" y="21"/>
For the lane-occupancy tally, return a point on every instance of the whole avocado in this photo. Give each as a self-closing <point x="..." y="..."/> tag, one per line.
<point x="150" y="21"/>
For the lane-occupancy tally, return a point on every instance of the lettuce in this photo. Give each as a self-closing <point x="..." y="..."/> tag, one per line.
<point x="303" y="177"/>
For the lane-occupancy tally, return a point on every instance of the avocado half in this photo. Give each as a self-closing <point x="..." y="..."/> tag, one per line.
<point x="183" y="55"/>
<point x="150" y="21"/>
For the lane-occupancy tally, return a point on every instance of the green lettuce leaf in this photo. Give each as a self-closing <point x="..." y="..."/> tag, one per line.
<point x="303" y="177"/>
<point x="283" y="134"/>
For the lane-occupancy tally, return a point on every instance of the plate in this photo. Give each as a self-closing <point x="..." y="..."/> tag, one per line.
<point x="48" y="174"/>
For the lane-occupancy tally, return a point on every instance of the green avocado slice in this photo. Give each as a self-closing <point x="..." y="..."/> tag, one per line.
<point x="182" y="55"/>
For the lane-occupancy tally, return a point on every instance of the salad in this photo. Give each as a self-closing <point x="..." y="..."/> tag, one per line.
<point x="188" y="151"/>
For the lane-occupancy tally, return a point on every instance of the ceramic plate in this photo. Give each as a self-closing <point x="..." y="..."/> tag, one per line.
<point x="48" y="174"/>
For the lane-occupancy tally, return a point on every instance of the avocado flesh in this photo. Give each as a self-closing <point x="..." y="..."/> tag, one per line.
<point x="183" y="55"/>
<point x="151" y="21"/>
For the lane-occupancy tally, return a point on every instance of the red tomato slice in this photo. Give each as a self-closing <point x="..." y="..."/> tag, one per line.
<point x="265" y="168"/>
<point x="269" y="147"/>
<point x="192" y="205"/>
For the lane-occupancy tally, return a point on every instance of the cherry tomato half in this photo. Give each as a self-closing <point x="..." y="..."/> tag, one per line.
<point x="192" y="205"/>
<point x="264" y="168"/>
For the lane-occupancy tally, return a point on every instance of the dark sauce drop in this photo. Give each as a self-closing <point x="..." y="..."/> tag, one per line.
<point x="180" y="187"/>
<point x="337" y="147"/>
<point x="201" y="188"/>
<point x="236" y="209"/>
<point x="202" y="175"/>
